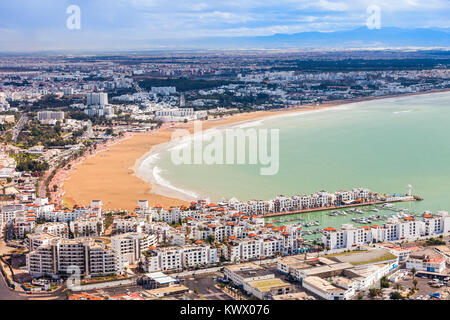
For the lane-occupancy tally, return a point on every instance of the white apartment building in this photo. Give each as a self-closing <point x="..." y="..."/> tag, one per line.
<point x="394" y="230"/>
<point x="344" y="196"/>
<point x="24" y="224"/>
<point x="127" y="225"/>
<point x="172" y="215"/>
<point x="164" y="90"/>
<point x="61" y="215"/>
<point x="254" y="246"/>
<point x="346" y="238"/>
<point x="100" y="111"/>
<point x="59" y="256"/>
<point x="86" y="227"/>
<point x="9" y="212"/>
<point x="436" y="225"/>
<point x="160" y="229"/>
<point x="97" y="98"/>
<point x="57" y="229"/>
<point x="35" y="240"/>
<point x="179" y="114"/>
<point x="162" y="259"/>
<point x="50" y="115"/>
<point x="41" y="206"/>
<point x="248" y="249"/>
<point x="130" y="245"/>
<point x="68" y="91"/>
<point x="349" y="237"/>
<point x="172" y="258"/>
<point x="272" y="246"/>
<point x="175" y="237"/>
<point x="212" y="229"/>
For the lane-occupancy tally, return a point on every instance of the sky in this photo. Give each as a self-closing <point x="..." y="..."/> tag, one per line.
<point x="30" y="25"/>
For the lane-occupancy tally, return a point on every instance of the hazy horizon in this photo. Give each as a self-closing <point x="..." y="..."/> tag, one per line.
<point x="100" y="25"/>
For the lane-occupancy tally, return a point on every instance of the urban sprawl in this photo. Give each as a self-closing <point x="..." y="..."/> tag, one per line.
<point x="55" y="110"/>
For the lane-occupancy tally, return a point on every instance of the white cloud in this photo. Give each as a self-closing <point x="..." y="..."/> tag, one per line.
<point x="129" y="20"/>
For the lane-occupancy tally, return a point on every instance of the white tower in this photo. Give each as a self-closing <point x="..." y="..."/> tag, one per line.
<point x="409" y="190"/>
<point x="182" y="101"/>
<point x="89" y="131"/>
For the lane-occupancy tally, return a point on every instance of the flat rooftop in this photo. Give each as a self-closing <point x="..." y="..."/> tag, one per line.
<point x="444" y="249"/>
<point x="363" y="257"/>
<point x="243" y="266"/>
<point x="267" y="284"/>
<point x="326" y="268"/>
<point x="253" y="273"/>
<point x="167" y="290"/>
<point x="321" y="284"/>
<point x="294" y="296"/>
<point x="160" y="277"/>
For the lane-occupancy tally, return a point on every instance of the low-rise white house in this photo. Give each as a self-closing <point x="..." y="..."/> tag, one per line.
<point x="426" y="263"/>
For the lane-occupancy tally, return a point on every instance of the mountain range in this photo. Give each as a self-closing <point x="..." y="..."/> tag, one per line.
<point x="357" y="38"/>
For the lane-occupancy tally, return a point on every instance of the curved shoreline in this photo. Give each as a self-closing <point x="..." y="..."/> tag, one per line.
<point x="111" y="176"/>
<point x="168" y="188"/>
<point x="114" y="177"/>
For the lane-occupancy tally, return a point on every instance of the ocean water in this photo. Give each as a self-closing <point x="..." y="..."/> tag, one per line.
<point x="383" y="145"/>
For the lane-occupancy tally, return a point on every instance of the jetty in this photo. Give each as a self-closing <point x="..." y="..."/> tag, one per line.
<point x="343" y="206"/>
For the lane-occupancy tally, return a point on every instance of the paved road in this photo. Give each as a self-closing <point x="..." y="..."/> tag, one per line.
<point x="137" y="87"/>
<point x="216" y="269"/>
<point x="16" y="130"/>
<point x="8" y="294"/>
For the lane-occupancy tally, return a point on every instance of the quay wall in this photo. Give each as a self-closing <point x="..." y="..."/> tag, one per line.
<point x="283" y="213"/>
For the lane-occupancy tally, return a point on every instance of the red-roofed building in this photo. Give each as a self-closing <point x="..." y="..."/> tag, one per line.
<point x="426" y="263"/>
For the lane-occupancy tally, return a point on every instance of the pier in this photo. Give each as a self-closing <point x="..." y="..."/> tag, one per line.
<point x="362" y="204"/>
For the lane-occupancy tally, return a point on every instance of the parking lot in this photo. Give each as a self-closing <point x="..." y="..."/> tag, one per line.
<point x="204" y="286"/>
<point x="116" y="291"/>
<point x="424" y="287"/>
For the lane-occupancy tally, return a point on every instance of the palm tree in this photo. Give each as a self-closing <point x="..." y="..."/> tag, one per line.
<point x="140" y="266"/>
<point x="413" y="271"/>
<point x="373" y="292"/>
<point x="3" y="186"/>
<point x="415" y="284"/>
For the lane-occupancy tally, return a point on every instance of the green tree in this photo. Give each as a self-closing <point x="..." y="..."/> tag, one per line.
<point x="413" y="271"/>
<point x="415" y="284"/>
<point x="384" y="282"/>
<point x="395" y="295"/>
<point x="374" y="292"/>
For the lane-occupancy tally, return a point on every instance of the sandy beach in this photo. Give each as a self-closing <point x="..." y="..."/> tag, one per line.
<point x="109" y="174"/>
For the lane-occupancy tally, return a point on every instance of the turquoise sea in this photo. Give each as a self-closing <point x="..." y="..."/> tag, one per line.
<point x="381" y="144"/>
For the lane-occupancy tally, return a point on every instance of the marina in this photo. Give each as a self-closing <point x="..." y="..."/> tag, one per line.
<point x="384" y="204"/>
<point x="314" y="222"/>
